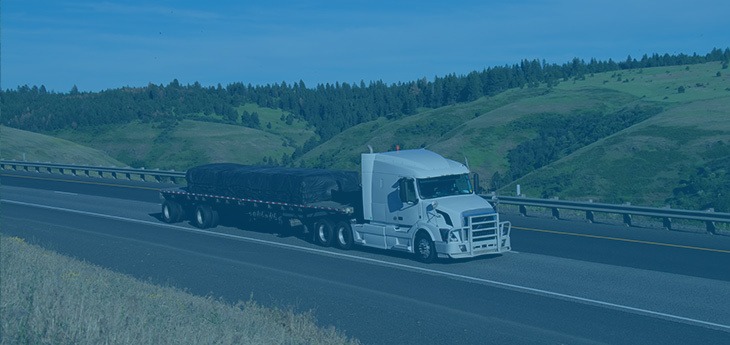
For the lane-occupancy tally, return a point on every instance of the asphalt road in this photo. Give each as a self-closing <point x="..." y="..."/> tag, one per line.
<point x="566" y="282"/>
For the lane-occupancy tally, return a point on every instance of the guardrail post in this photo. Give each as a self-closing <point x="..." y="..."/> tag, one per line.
<point x="711" y="227"/>
<point x="523" y="210"/>
<point x="667" y="223"/>
<point x="590" y="217"/>
<point x="627" y="216"/>
<point x="556" y="213"/>
<point x="627" y="219"/>
<point x="710" y="224"/>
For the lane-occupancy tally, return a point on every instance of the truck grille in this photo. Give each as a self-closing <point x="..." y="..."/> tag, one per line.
<point x="483" y="228"/>
<point x="486" y="234"/>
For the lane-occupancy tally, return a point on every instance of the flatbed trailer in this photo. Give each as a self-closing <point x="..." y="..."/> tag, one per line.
<point x="204" y="212"/>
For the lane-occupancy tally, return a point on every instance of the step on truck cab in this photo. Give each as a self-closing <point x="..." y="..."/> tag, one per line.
<point x="420" y="202"/>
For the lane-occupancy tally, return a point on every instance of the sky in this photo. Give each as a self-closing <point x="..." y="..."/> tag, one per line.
<point x="99" y="45"/>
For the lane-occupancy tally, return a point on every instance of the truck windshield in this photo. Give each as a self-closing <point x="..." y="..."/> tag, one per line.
<point x="436" y="187"/>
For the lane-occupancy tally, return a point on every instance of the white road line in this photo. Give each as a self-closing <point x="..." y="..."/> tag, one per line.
<point x="64" y="193"/>
<point x="516" y="287"/>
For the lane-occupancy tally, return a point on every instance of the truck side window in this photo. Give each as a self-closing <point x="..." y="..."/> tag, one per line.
<point x="407" y="191"/>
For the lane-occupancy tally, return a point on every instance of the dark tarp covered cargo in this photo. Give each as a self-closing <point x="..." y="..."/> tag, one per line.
<point x="205" y="179"/>
<point x="278" y="184"/>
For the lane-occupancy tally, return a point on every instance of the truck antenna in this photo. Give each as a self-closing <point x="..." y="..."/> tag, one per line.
<point x="466" y="162"/>
<point x="371" y="148"/>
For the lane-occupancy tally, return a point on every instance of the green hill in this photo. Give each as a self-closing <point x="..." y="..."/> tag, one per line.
<point x="181" y="145"/>
<point x="645" y="136"/>
<point x="21" y="145"/>
<point x="421" y="130"/>
<point x="679" y="157"/>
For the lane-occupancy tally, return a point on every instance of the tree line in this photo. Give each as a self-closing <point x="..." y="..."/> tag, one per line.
<point x="330" y="108"/>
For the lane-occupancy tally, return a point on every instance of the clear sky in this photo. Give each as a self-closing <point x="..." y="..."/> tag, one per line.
<point x="99" y="45"/>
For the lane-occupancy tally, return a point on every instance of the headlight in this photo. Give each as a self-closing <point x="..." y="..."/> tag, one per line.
<point x="454" y="236"/>
<point x="448" y="235"/>
<point x="444" y="234"/>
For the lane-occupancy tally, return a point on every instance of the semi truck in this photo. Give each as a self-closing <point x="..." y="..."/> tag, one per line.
<point x="414" y="201"/>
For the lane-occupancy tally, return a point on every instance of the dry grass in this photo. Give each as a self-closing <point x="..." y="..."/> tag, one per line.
<point x="46" y="298"/>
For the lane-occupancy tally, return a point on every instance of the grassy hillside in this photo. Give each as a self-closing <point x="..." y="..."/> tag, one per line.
<point x="642" y="164"/>
<point x="487" y="139"/>
<point x="645" y="163"/>
<point x="483" y="131"/>
<point x="181" y="145"/>
<point x="421" y="130"/>
<point x="21" y="145"/>
<point x="700" y="82"/>
<point x="296" y="131"/>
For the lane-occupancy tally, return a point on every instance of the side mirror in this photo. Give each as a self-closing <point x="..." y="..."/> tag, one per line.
<point x="407" y="191"/>
<point x="402" y="190"/>
<point x="475" y="184"/>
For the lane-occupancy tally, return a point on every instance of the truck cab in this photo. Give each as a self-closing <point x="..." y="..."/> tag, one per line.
<point x="420" y="202"/>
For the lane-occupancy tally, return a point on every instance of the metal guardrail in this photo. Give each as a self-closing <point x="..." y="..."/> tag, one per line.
<point x="89" y="171"/>
<point x="710" y="218"/>
<point x="627" y="211"/>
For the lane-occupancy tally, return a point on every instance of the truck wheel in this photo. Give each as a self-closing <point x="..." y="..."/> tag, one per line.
<point x="343" y="235"/>
<point x="424" y="249"/>
<point x="323" y="232"/>
<point x="205" y="217"/>
<point x="172" y="212"/>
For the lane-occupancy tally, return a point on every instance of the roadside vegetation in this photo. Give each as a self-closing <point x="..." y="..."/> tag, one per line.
<point x="46" y="298"/>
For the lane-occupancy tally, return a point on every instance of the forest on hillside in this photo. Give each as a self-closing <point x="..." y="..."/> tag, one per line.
<point x="329" y="108"/>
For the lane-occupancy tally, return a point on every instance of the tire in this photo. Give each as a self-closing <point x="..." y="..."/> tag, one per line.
<point x="424" y="248"/>
<point x="172" y="212"/>
<point x="323" y="232"/>
<point x="205" y="217"/>
<point x="343" y="236"/>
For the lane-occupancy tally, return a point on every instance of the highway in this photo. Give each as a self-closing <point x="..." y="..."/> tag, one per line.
<point x="567" y="282"/>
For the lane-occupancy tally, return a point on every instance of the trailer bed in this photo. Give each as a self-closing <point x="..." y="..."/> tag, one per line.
<point x="183" y="194"/>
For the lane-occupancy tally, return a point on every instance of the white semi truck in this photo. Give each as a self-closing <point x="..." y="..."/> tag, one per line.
<point x="414" y="201"/>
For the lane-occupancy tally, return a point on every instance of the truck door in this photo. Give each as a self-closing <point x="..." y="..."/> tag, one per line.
<point x="409" y="212"/>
